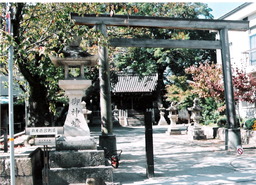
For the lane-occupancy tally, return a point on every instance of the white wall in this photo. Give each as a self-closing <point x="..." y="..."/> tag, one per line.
<point x="240" y="49"/>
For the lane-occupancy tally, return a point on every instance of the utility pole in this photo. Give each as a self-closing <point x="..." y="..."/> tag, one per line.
<point x="9" y="28"/>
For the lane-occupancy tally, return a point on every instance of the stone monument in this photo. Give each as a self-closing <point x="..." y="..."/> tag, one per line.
<point x="195" y="131"/>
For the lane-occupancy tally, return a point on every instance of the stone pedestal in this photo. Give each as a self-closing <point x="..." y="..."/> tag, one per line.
<point x="173" y="126"/>
<point x="76" y="167"/>
<point x="177" y="130"/>
<point x="76" y="131"/>
<point x="196" y="133"/>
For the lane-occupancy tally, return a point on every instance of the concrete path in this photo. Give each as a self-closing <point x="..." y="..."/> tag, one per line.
<point x="180" y="161"/>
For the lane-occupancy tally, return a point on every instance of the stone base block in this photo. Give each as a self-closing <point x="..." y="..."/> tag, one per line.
<point x="108" y="142"/>
<point x="21" y="180"/>
<point x="75" y="143"/>
<point x="233" y="137"/>
<point x="177" y="130"/>
<point x="248" y="137"/>
<point x="28" y="166"/>
<point x="196" y="133"/>
<point x="66" y="176"/>
<point x="71" y="158"/>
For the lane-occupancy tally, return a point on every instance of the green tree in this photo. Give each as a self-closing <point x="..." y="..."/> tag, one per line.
<point x="40" y="30"/>
<point x="161" y="60"/>
<point x="179" y="89"/>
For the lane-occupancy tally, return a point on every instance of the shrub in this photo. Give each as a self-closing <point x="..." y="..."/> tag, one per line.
<point x="222" y="121"/>
<point x="249" y="123"/>
<point x="209" y="122"/>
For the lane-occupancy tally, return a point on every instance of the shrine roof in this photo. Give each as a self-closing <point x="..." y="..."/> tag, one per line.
<point x="135" y="83"/>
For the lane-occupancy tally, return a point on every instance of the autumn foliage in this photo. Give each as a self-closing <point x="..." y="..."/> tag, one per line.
<point x="208" y="82"/>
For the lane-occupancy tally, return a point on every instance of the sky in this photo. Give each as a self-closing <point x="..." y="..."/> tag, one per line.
<point x="221" y="8"/>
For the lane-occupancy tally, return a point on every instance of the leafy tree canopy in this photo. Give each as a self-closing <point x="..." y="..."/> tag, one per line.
<point x="147" y="60"/>
<point x="43" y="29"/>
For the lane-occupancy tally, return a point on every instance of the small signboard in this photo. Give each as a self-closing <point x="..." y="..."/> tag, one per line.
<point x="44" y="130"/>
<point x="45" y="141"/>
<point x="240" y="150"/>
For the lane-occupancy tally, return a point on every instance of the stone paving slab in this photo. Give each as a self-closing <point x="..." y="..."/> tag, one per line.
<point x="178" y="160"/>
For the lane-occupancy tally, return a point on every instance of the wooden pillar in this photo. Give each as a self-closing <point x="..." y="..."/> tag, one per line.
<point x="149" y="145"/>
<point x="233" y="137"/>
<point x="105" y="94"/>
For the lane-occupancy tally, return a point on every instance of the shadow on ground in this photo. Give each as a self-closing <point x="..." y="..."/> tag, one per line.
<point x="178" y="160"/>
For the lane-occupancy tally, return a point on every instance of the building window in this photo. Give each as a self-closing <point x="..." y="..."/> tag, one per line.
<point x="253" y="49"/>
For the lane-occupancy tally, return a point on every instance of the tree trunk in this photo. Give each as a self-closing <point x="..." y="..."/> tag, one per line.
<point x="39" y="112"/>
<point x="160" y="85"/>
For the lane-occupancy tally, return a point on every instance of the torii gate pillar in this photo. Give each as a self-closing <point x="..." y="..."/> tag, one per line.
<point x="233" y="134"/>
<point x="107" y="139"/>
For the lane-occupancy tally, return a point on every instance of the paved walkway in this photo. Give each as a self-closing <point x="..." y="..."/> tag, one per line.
<point x="180" y="161"/>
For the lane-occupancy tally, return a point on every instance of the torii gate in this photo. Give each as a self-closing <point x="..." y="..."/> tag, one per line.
<point x="233" y="136"/>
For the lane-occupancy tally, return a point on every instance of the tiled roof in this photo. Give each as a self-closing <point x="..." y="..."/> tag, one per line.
<point x="135" y="83"/>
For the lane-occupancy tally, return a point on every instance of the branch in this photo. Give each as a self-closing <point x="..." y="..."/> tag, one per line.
<point x="40" y="41"/>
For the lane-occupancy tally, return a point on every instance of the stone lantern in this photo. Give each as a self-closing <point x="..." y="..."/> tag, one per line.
<point x="173" y="116"/>
<point x="162" y="120"/>
<point x="196" y="112"/>
<point x="76" y="130"/>
<point x="196" y="132"/>
<point x="115" y="115"/>
<point x="85" y="111"/>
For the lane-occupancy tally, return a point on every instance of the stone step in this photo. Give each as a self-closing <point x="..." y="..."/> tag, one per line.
<point x="199" y="137"/>
<point x="138" y="116"/>
<point x="66" y="176"/>
<point x="80" y="158"/>
<point x="135" y="121"/>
